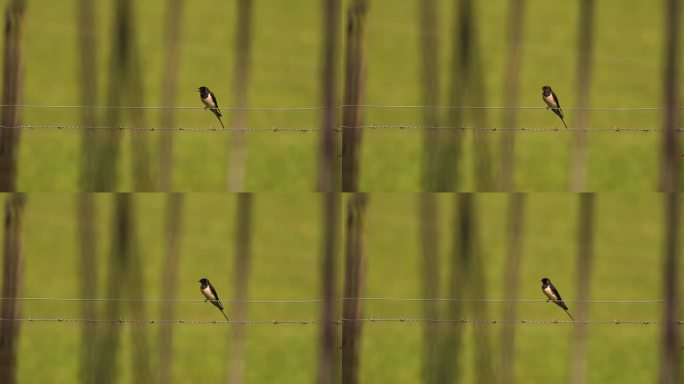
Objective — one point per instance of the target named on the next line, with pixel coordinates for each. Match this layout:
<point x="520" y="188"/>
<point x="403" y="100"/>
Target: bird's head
<point x="204" y="280"/>
<point x="203" y="91"/>
<point x="546" y="280"/>
<point x="546" y="89"/>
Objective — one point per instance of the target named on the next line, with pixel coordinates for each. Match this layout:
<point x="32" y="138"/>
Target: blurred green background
<point x="285" y="72"/>
<point x="627" y="265"/>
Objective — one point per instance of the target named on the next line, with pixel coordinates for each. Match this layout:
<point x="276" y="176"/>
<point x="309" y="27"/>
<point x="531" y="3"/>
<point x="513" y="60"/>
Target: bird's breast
<point x="207" y="293"/>
<point x="207" y="101"/>
<point x="550" y="102"/>
<point x="549" y="293"/>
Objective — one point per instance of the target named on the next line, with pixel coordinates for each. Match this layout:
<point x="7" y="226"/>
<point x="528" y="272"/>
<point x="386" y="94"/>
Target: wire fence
<point x="337" y="322"/>
<point x="397" y="127"/>
<point x="317" y="108"/>
<point x="305" y="301"/>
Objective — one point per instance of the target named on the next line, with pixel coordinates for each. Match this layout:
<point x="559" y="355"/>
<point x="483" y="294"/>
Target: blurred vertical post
<point x="141" y="159"/>
<point x="243" y="43"/>
<point x="13" y="273"/>
<point x="174" y="219"/>
<point x="466" y="85"/>
<point x="429" y="238"/>
<point x="448" y="163"/>
<point x="516" y="15"/>
<point x="474" y="276"/>
<point x="354" y="85"/>
<point x="125" y="84"/>
<point x="670" y="345"/>
<point x="669" y="168"/>
<point x="578" y="171"/>
<point x="173" y="28"/>
<point x="328" y="173"/>
<point x="87" y="236"/>
<point x="105" y="174"/>
<point x="355" y="265"/>
<point x="427" y="9"/>
<point x="326" y="357"/>
<point x="511" y="279"/>
<point x="243" y="254"/>
<point x="470" y="48"/>
<point x="133" y="281"/>
<point x="88" y="82"/>
<point x="585" y="244"/>
<point x="108" y="341"/>
<point x="12" y="93"/>
<point x="449" y="367"/>
<point x="670" y="181"/>
<point x="124" y="278"/>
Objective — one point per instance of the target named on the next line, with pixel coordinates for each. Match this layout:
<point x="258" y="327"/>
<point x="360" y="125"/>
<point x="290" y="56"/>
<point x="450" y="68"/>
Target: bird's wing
<point x="213" y="292"/>
<point x="559" y="300"/>
<point x="217" y="301"/>
<point x="555" y="99"/>
<point x="213" y="99"/>
<point x="553" y="289"/>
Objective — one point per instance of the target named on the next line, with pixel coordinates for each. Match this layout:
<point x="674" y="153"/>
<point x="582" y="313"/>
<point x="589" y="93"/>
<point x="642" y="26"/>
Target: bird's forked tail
<point x="224" y="315"/>
<point x="566" y="311"/>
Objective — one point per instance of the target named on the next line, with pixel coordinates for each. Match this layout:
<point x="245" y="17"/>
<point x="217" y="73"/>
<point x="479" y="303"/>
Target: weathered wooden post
<point x="354" y="272"/>
<point x="12" y="93"/>
<point x="13" y="273"/>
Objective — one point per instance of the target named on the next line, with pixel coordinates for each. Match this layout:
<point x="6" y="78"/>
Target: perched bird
<point x="210" y="293"/>
<point x="209" y="100"/>
<point x="551" y="100"/>
<point x="552" y="293"/>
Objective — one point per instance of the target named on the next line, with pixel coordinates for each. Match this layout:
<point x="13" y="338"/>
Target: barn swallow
<point x="551" y="100"/>
<point x="210" y="294"/>
<point x="552" y="293"/>
<point x="209" y="100"/>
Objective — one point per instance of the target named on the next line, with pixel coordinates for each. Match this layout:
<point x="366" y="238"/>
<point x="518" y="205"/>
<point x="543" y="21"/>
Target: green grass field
<point x="285" y="69"/>
<point x="626" y="266"/>
<point x="285" y="73"/>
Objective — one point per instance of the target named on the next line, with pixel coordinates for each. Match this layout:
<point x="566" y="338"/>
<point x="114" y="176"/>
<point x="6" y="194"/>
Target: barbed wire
<point x="336" y="322"/>
<point x="400" y="127"/>
<point x="310" y="301"/>
<point x="153" y="129"/>
<point x="494" y="129"/>
<point x="315" y="108"/>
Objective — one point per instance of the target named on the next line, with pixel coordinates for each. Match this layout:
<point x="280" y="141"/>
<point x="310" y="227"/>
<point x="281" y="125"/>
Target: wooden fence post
<point x="511" y="279"/>
<point x="88" y="277"/>
<point x="243" y="254"/>
<point x="355" y="265"/>
<point x="670" y="179"/>
<point x="243" y="48"/>
<point x="585" y="243"/>
<point x="430" y="87"/>
<point x="12" y="93"/>
<point x="174" y="219"/>
<point x="13" y="272"/>
<point x="328" y="173"/>
<point x="578" y="170"/>
<point x="327" y="357"/>
<point x="173" y="28"/>
<point x="87" y="73"/>
<point x="354" y="84"/>
<point x="514" y="32"/>
<point x="429" y="239"/>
